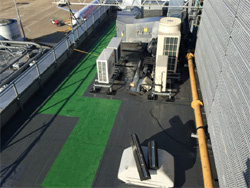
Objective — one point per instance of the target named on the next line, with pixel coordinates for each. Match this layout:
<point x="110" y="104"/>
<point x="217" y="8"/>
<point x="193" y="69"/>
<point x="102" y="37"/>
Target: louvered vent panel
<point x="241" y="38"/>
<point x="241" y="70"/>
<point x="223" y="44"/>
<point x="220" y="142"/>
<point x="220" y="31"/>
<point x="211" y="64"/>
<point x="232" y="5"/>
<point x="204" y="84"/>
<point x="219" y="53"/>
<point x="202" y="79"/>
<point x="244" y="13"/>
<point x="235" y="112"/>
<point x="225" y="15"/>
<point x="102" y="74"/>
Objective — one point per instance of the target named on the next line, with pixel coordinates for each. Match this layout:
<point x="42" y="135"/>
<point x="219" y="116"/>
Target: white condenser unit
<point x="105" y="66"/>
<point x="168" y="43"/>
<point x="161" y="70"/>
<point x="115" y="44"/>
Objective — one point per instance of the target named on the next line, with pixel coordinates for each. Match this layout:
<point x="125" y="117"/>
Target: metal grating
<point x="222" y="57"/>
<point x="238" y="126"/>
<point x="232" y="4"/>
<point x="220" y="31"/>
<point x="208" y="66"/>
<point x="203" y="81"/>
<point x="241" y="38"/>
<point x="213" y="38"/>
<point x="241" y="70"/>
<point x="224" y="13"/>
<point x="217" y="118"/>
<point x="244" y="13"/>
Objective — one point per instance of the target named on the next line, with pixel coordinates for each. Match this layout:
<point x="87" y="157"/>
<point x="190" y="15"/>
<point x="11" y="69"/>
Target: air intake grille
<point x="222" y="57"/>
<point x="102" y="73"/>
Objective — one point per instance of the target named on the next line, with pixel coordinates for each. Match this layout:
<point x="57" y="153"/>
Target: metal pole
<point x="39" y="74"/>
<point x="17" y="96"/>
<point x="72" y="27"/>
<point x="55" y="60"/>
<point x="54" y="54"/>
<point x="86" y="25"/>
<point x="67" y="41"/>
<point x="196" y="104"/>
<point x="93" y="17"/>
<point x="77" y="32"/>
<point x="24" y="37"/>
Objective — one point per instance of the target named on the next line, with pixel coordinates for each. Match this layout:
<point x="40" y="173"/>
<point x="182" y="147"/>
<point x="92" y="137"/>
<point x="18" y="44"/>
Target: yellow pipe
<point x="196" y="104"/>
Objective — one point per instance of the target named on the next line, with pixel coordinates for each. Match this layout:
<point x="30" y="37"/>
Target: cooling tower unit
<point x="169" y="36"/>
<point x="9" y="29"/>
<point x="105" y="66"/>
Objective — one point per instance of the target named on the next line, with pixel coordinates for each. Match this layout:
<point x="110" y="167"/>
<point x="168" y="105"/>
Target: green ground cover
<point x="78" y="161"/>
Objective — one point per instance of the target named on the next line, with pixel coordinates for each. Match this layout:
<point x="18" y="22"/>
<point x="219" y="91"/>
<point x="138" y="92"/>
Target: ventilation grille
<point x="232" y="5"/>
<point x="244" y="13"/>
<point x="221" y="32"/>
<point x="222" y="57"/>
<point x="225" y="15"/>
<point x="102" y="71"/>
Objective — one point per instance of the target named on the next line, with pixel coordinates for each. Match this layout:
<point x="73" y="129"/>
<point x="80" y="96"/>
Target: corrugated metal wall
<point x="223" y="63"/>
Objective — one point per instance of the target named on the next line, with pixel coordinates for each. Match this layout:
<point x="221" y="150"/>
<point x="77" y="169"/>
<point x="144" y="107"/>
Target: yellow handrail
<point x="196" y="104"/>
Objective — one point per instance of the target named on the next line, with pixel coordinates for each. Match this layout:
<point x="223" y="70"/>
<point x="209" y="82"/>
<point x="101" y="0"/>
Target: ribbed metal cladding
<point x="244" y="13"/>
<point x="224" y="13"/>
<point x="222" y="57"/>
<point x="232" y="4"/>
<point x="217" y="48"/>
<point x="216" y="23"/>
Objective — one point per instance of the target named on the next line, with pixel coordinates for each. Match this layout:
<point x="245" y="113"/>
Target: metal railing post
<point x="54" y="54"/>
<point x="77" y="32"/>
<point x="86" y="25"/>
<point x="67" y="42"/>
<point x="93" y="18"/>
<point x="17" y="96"/>
<point x="39" y="74"/>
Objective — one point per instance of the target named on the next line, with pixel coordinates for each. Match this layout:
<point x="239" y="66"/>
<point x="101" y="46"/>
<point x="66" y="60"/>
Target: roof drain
<point x="196" y="104"/>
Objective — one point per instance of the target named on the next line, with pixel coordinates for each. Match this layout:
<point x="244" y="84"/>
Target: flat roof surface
<point x="69" y="137"/>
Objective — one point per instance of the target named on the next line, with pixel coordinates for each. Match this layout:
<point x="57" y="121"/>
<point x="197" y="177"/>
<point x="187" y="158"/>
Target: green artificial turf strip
<point x="77" y="163"/>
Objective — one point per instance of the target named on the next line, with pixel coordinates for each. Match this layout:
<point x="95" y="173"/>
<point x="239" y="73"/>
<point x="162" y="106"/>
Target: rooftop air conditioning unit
<point x="161" y="69"/>
<point x="168" y="43"/>
<point x="105" y="66"/>
<point x="115" y="44"/>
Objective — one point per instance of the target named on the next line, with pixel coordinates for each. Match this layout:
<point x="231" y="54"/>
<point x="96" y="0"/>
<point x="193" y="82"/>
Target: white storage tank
<point x="9" y="29"/>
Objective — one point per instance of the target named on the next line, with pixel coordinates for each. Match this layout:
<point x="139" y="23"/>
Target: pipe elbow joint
<point x="196" y="103"/>
<point x="189" y="56"/>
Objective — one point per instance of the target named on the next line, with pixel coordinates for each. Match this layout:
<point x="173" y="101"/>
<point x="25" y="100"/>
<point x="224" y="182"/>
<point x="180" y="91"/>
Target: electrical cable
<point x="86" y="52"/>
<point x="159" y="124"/>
